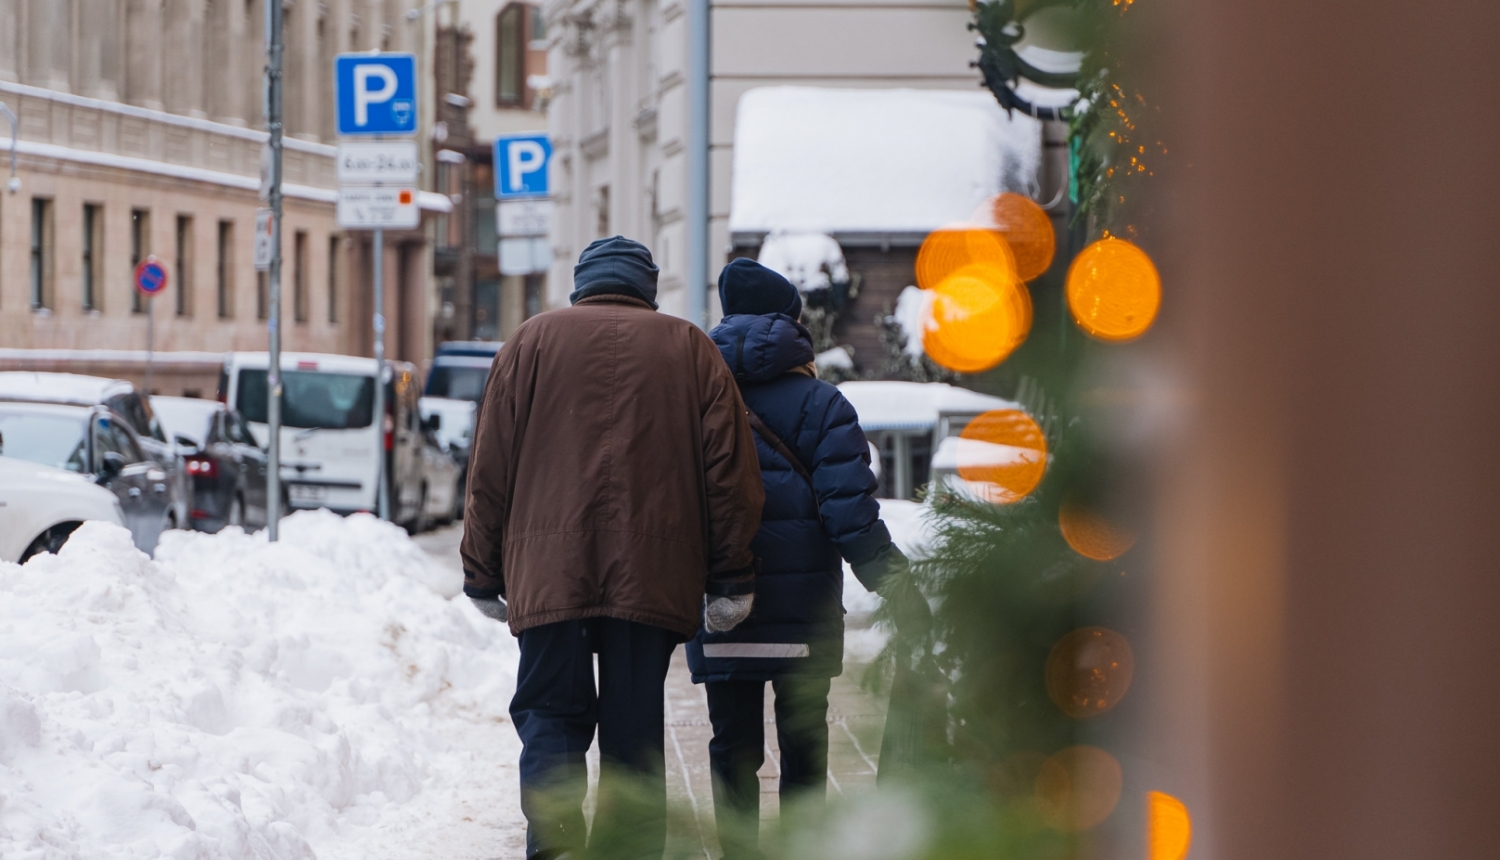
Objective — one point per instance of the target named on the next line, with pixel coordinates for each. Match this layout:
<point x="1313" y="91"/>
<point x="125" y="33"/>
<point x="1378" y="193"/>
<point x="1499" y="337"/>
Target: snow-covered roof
<point x="58" y="387"/>
<point x="914" y="406"/>
<point x="837" y="161"/>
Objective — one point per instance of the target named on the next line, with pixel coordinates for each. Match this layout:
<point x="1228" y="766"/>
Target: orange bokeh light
<point x="1092" y="536"/>
<point x="976" y="317"/>
<point x="1026" y="228"/>
<point x="1113" y="290"/>
<point x="1078" y="787"/>
<point x="1004" y="453"/>
<point x="1089" y="671"/>
<point x="1169" y="828"/>
<point x="946" y="251"/>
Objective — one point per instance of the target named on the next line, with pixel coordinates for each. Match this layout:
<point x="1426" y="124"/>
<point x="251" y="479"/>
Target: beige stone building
<point x="141" y="132"/>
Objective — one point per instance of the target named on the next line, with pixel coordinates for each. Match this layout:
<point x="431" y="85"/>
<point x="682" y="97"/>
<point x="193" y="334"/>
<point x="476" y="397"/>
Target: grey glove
<point x="495" y="608"/>
<point x="722" y="614"/>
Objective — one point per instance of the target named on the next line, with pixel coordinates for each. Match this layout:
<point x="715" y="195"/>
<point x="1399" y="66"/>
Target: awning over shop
<point x="882" y="163"/>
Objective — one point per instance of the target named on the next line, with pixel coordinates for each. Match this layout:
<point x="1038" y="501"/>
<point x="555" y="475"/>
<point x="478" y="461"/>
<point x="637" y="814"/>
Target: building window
<point x="535" y="284"/>
<point x="140" y="246"/>
<point x="93" y="243"/>
<point x="299" y="276"/>
<point x="224" y="270"/>
<point x="333" y="279"/>
<point x="511" y="43"/>
<point x="41" y="252"/>
<point x="601" y="212"/>
<point x="183" y="265"/>
<point x="538" y="40"/>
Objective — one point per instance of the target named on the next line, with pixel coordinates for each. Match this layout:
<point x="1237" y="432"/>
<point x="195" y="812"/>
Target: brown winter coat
<point x="613" y="471"/>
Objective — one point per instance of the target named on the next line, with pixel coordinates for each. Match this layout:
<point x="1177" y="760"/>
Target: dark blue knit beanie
<point x="747" y="287"/>
<point x="615" y="266"/>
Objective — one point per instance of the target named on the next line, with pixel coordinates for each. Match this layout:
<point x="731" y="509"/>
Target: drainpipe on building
<point x="695" y="279"/>
<point x="14" y="184"/>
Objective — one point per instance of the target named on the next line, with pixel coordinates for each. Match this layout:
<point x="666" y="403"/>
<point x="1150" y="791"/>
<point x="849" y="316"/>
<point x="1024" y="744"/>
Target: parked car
<point x="329" y="441"/>
<point x="455" y="385"/>
<point x="440" y="478"/>
<point x="118" y="396"/>
<point x="98" y="442"/>
<point x="40" y="506"/>
<point x="226" y="468"/>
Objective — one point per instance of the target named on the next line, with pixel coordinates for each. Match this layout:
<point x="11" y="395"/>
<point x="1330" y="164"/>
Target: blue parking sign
<point x="376" y="93"/>
<point x="521" y="165"/>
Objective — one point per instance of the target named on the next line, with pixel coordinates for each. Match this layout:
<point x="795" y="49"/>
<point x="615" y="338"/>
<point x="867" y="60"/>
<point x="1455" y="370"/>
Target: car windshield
<point x="46" y="438"/>
<point x="310" y="400"/>
<point x="458" y="383"/>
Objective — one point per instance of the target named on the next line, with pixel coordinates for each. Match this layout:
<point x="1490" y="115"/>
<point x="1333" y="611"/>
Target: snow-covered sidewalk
<point x="235" y="699"/>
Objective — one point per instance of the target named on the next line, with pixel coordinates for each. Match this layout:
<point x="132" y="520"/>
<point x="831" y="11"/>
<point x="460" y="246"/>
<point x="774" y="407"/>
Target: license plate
<point x="307" y="493"/>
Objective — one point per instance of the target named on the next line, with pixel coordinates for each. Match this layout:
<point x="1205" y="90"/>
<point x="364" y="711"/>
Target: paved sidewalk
<point x="856" y="720"/>
<point x="855" y="723"/>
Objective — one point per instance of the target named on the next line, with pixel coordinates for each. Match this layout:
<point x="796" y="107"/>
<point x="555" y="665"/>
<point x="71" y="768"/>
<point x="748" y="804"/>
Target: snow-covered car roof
<point x="901" y="161"/>
<point x="74" y="388"/>
<point x="185" y="416"/>
<point x="914" y="406"/>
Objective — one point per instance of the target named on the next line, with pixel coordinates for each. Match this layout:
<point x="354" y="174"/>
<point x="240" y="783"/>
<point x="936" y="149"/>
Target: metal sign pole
<point x="150" y="337"/>
<point x="273" y="324"/>
<point x="382" y="496"/>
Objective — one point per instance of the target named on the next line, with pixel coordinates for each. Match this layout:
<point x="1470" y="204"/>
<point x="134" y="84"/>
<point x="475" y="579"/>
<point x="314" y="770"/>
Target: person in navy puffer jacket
<point x="819" y="511"/>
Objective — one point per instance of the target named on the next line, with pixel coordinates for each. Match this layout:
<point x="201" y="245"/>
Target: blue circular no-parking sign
<point x="150" y="276"/>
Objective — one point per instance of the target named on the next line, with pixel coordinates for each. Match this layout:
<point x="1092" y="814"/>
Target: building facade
<point x="499" y="50"/>
<point x="141" y="133"/>
<point x="619" y="116"/>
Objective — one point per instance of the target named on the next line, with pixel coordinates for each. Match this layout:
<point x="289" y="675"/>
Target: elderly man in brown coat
<point x="613" y="493"/>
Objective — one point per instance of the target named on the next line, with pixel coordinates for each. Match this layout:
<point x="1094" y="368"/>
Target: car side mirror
<point x="185" y="446"/>
<point x="110" y="465"/>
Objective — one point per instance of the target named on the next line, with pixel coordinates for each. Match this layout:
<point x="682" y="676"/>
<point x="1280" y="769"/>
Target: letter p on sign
<point x="521" y="165"/>
<point x="365" y="94"/>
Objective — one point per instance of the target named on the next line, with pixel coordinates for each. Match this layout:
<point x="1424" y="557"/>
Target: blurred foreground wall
<point x="1329" y="580"/>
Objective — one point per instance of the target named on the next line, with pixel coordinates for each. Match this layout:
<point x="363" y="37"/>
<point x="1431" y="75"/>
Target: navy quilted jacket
<point x="797" y="623"/>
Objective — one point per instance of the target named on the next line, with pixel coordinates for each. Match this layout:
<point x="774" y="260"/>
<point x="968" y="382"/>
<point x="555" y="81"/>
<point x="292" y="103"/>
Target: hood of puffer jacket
<point x="760" y="347"/>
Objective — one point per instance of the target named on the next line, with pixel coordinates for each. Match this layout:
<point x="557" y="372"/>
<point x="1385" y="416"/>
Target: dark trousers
<point x="556" y="710"/>
<point x="736" y="709"/>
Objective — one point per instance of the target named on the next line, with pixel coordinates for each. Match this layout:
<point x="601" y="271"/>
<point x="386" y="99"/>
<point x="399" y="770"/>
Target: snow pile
<point x="234" y="698"/>
<point x="811" y="261"/>
<point x="913" y="310"/>
<point x="825" y="160"/>
<point x="837" y="358"/>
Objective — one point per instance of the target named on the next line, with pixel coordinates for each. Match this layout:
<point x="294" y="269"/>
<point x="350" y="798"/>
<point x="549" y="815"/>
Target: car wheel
<point x="418" y="522"/>
<point x="236" y="513"/>
<point x="50" y="540"/>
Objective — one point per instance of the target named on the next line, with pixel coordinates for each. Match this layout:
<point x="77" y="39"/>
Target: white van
<point x="328" y="440"/>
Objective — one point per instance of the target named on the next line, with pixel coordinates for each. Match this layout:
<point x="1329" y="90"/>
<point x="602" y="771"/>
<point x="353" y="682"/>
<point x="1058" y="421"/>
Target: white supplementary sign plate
<point x="523" y="217"/>
<point x="263" y="246"/>
<point x="364" y="207"/>
<point x="372" y="162"/>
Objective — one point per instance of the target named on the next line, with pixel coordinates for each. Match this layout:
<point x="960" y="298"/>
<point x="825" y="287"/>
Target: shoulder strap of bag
<point x="765" y="432"/>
